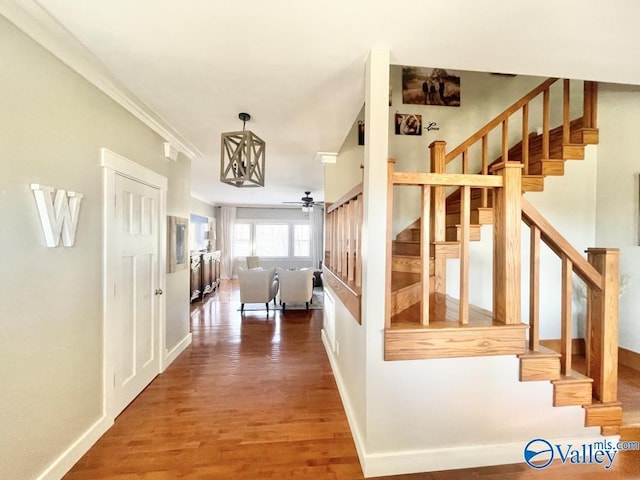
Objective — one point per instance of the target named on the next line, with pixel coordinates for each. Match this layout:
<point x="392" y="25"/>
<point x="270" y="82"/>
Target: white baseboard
<point x="60" y="466"/>
<point x="351" y="417"/>
<point x="170" y="356"/>
<point x="434" y="459"/>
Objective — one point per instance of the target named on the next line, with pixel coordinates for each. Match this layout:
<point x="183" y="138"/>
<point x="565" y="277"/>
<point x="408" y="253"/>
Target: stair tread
<point x="575" y="377"/>
<point x="444" y="314"/>
<point x="540" y="353"/>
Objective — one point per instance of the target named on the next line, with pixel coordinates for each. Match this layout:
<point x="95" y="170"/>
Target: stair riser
<point x="409" y="264"/>
<point x="436" y="343"/>
<point x="532" y="184"/>
<point x="603" y="415"/>
<point x="405" y="248"/>
<point x="547" y="168"/>
<point x="479" y="216"/>
<point x="574" y="393"/>
<point x="409" y="235"/>
<point x="454" y="234"/>
<point x="536" y="369"/>
<point x="587" y="136"/>
<point x="445" y="250"/>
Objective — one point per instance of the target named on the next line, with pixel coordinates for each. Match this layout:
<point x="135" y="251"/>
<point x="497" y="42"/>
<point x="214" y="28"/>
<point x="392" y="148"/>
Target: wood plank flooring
<point x="254" y="398"/>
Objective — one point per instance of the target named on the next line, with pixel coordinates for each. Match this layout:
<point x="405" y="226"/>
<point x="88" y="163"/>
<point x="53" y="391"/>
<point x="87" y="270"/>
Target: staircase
<point x="424" y="322"/>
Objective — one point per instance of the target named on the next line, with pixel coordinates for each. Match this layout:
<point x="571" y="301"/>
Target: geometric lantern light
<point x="242" y="157"/>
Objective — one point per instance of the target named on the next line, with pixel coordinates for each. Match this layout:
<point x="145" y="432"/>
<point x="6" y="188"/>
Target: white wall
<point x="53" y="125"/>
<point x="201" y="208"/>
<point x="346" y="173"/>
<point x="617" y="197"/>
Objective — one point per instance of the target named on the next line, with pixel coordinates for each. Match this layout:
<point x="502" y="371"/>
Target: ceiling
<point x="298" y="66"/>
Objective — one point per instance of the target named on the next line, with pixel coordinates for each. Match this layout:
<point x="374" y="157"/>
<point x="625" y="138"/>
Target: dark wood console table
<point x="205" y="273"/>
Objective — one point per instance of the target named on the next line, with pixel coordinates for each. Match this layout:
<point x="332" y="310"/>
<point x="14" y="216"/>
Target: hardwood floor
<point x="254" y="398"/>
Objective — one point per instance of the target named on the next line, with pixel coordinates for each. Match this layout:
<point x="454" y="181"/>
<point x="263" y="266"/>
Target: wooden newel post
<point x="507" y="212"/>
<point x="439" y="214"/>
<point x="602" y="315"/>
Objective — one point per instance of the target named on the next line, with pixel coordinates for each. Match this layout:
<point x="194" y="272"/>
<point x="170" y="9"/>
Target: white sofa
<point x="257" y="286"/>
<point x="295" y="286"/>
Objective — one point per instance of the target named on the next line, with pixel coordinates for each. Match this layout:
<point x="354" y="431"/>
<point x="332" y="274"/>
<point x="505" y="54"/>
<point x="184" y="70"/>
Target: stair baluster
<point x="342" y="259"/>
<point x="425" y="252"/>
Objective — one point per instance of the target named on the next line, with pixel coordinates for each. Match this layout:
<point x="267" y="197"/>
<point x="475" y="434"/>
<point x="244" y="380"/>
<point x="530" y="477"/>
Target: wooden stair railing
<point x="343" y="242"/>
<point x="600" y="273"/>
<point x="506" y="188"/>
<point x="422" y="250"/>
<point x="589" y="121"/>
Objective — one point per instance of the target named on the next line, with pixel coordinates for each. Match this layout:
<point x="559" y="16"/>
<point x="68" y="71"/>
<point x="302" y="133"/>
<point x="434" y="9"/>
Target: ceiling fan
<point x="307" y="202"/>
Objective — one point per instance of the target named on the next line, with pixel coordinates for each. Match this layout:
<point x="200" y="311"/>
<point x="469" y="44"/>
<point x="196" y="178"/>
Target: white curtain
<point x="227" y="221"/>
<point x="317" y="236"/>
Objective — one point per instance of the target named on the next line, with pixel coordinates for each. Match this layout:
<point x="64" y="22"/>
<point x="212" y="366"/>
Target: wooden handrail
<point x="446" y="179"/>
<point x="350" y="195"/>
<point x="561" y="245"/>
<point x="499" y="119"/>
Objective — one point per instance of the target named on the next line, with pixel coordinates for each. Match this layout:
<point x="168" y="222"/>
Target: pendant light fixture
<point x="242" y="157"/>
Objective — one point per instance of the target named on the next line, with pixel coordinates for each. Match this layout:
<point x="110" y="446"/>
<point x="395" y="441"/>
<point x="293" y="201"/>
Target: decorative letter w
<point x="59" y="215"/>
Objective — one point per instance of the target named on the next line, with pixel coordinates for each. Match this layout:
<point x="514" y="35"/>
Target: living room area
<point x="273" y="255"/>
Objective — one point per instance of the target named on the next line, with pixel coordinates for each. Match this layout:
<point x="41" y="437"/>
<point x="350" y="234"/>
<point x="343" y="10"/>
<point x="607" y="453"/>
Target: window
<point x="242" y="239"/>
<point x="286" y="239"/>
<point x="272" y="240"/>
<point x="301" y="241"/>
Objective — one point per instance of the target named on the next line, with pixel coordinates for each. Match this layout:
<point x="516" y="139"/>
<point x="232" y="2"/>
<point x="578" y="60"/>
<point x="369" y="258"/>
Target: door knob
<point x="158" y="291"/>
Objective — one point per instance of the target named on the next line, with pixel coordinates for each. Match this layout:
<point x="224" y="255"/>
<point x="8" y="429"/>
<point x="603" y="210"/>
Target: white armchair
<point x="257" y="286"/>
<point x="295" y="286"/>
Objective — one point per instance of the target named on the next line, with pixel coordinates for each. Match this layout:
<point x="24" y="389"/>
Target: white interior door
<point x="134" y="346"/>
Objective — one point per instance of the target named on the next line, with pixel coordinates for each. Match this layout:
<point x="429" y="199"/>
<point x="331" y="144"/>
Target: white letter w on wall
<point x="58" y="215"/>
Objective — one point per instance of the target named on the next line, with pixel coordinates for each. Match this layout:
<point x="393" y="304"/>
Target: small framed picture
<point x="178" y="244"/>
<point x="408" y="124"/>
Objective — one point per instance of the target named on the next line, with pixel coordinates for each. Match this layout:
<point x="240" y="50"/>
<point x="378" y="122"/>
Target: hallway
<point x="254" y="398"/>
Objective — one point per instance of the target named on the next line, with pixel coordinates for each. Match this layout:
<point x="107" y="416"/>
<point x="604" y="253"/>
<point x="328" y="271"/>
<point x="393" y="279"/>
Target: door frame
<point x="114" y="164"/>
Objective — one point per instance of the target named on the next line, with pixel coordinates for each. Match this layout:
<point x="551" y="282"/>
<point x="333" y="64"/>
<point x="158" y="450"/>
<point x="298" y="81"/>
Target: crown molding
<point x="44" y="29"/>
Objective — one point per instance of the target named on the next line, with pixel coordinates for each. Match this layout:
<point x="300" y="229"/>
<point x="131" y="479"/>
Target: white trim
<point x="358" y="437"/>
<point x="44" y="29"/>
<point x="470" y="456"/>
<point x="76" y="450"/>
<point x="133" y="170"/>
<point x="170" y="356"/>
<point x="113" y="164"/>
